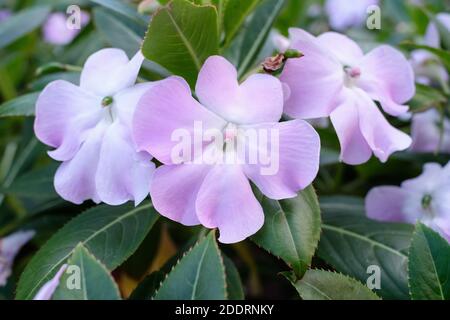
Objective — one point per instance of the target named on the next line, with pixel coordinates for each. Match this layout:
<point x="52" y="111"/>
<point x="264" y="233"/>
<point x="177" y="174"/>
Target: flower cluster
<point x="212" y="147"/>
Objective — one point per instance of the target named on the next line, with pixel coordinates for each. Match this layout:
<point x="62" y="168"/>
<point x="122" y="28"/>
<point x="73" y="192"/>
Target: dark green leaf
<point x="146" y="289"/>
<point x="256" y="32"/>
<point x="351" y="243"/>
<point x="234" y="284"/>
<point x="235" y="13"/>
<point x="40" y="83"/>
<point x="181" y="37"/>
<point x="115" y="32"/>
<point x="123" y="8"/>
<point x="20" y="106"/>
<point x="426" y="97"/>
<point x="429" y="265"/>
<point x="292" y="229"/>
<point x="199" y="275"/>
<point x="95" y="282"/>
<point x="22" y="23"/>
<point x="324" y="285"/>
<point x="112" y="234"/>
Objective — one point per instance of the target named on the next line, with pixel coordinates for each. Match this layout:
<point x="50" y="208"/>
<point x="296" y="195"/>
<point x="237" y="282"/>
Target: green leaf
<point x="116" y="33"/>
<point x="181" y="37"/>
<point x="234" y="284"/>
<point x="443" y="32"/>
<point x="324" y="285"/>
<point x="20" y="106"/>
<point x="442" y="54"/>
<point x="123" y="8"/>
<point x="235" y="13"/>
<point x="329" y="156"/>
<point x="37" y="183"/>
<point x="256" y="32"/>
<point x="291" y="229"/>
<point x="351" y="243"/>
<point x="199" y="275"/>
<point x="95" y="282"/>
<point x="112" y="234"/>
<point x="147" y="288"/>
<point x="426" y="98"/>
<point x="22" y="23"/>
<point x="429" y="265"/>
<point x="119" y="34"/>
<point x="40" y="83"/>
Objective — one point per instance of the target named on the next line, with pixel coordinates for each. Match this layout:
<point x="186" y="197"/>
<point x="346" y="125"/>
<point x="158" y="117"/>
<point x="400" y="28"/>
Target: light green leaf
<point x="324" y="285"/>
<point x="112" y="234"/>
<point x="429" y="265"/>
<point x="199" y="275"/>
<point x="94" y="280"/>
<point x="291" y="229"/>
<point x="181" y="37"/>
<point x="21" y="24"/>
<point x="20" y="106"/>
<point x="256" y="32"/>
<point x="235" y="14"/>
<point x="351" y="243"/>
<point x="123" y="8"/>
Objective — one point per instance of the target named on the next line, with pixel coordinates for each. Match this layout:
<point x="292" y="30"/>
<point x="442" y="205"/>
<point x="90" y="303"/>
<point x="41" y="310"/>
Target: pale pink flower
<point x="90" y="128"/>
<point x="425" y="199"/>
<point x="9" y="248"/>
<point x="219" y="195"/>
<point x="344" y="14"/>
<point x="56" y="30"/>
<point x="48" y="289"/>
<point x="336" y="79"/>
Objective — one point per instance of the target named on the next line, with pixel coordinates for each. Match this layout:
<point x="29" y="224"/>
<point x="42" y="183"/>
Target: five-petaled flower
<point x="90" y="127"/>
<point x="424" y="199"/>
<point x="335" y="78"/>
<point x="219" y="195"/>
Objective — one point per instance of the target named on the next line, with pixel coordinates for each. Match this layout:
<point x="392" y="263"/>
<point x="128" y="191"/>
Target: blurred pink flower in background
<point x="4" y="14"/>
<point x="430" y="132"/>
<point x="427" y="66"/>
<point x="336" y="79"/>
<point x="425" y="199"/>
<point x="56" y="30"/>
<point x="344" y="14"/>
<point x="219" y="195"/>
<point x="9" y="248"/>
<point x="90" y="128"/>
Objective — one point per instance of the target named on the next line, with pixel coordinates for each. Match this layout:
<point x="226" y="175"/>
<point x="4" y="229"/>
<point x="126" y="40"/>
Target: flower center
<point x="107" y="101"/>
<point x="231" y="133"/>
<point x="426" y="202"/>
<point x="351" y="75"/>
